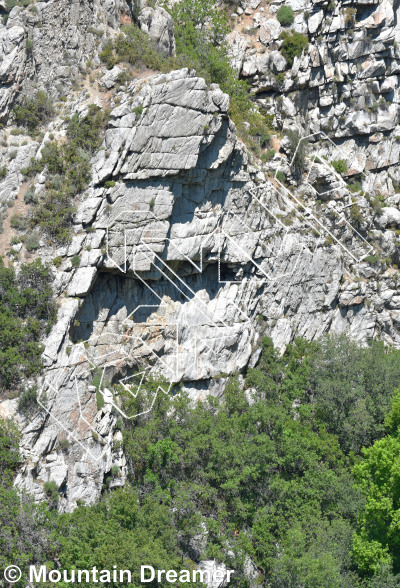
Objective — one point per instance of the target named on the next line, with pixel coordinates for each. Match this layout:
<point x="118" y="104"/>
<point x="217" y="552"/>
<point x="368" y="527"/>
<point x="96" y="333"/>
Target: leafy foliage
<point x="25" y="528"/>
<point x="340" y="166"/>
<point x="293" y="45"/>
<point x="34" y="112"/>
<point x="26" y="309"/>
<point x="276" y="472"/>
<point x="285" y="15"/>
<point x="376" y="543"/>
<point x="352" y="388"/>
<point x="124" y="529"/>
<point x="68" y="171"/>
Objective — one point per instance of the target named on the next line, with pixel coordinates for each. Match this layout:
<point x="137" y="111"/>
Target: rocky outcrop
<point x="188" y="254"/>
<point x="160" y="26"/>
<point x="345" y="84"/>
<point x="189" y="248"/>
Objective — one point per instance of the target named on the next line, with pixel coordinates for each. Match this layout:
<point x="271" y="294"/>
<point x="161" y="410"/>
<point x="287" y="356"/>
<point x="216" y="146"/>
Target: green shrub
<point x="32" y="241"/>
<point x="30" y="196"/>
<point x="18" y="222"/>
<point x="86" y="133"/>
<point x="29" y="45"/>
<point x="64" y="444"/>
<point x="109" y="184"/>
<point x="99" y="400"/>
<point x="34" y="112"/>
<point x="54" y="213"/>
<point x="75" y="261"/>
<point x="281" y="177"/>
<point x="51" y="490"/>
<point x="356" y="215"/>
<point x="107" y="55"/>
<point x="138" y="110"/>
<point x="68" y="171"/>
<point x="371" y="259"/>
<point x="350" y="15"/>
<point x="285" y="15"/>
<point x="115" y="471"/>
<point x="340" y="166"/>
<point x="10" y="4"/>
<point x="293" y="45"/>
<point x="137" y="48"/>
<point x="27" y="400"/>
<point x="354" y="186"/>
<point x="268" y="155"/>
<point x="26" y="310"/>
<point x="3" y="172"/>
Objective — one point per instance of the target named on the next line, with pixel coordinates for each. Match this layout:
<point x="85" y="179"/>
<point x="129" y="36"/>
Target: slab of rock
<point x="57" y="334"/>
<point x="314" y="21"/>
<point x="277" y="61"/>
<point x="82" y="281"/>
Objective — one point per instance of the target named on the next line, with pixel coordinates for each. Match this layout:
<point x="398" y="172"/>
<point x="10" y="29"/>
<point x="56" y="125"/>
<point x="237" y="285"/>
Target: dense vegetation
<point x="26" y="310"/>
<point x="68" y="174"/>
<point x="278" y="473"/>
<point x="34" y="111"/>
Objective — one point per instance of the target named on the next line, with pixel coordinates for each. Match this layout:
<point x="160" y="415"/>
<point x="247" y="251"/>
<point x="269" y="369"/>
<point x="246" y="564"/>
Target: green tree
<point x="26" y="310"/>
<point x="377" y="540"/>
<point x="351" y="389"/>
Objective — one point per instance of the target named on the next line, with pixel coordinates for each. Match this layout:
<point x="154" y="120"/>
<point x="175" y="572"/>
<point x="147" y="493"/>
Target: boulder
<point x="269" y="30"/>
<point x="160" y="26"/>
<point x="82" y="281"/>
<point x="109" y="80"/>
<point x="390" y="217"/>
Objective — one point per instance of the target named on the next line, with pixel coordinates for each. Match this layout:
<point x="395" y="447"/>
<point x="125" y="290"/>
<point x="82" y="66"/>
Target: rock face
<point x="63" y="36"/>
<point x="346" y="83"/>
<point x="191" y="254"/>
<point x="189" y="249"/>
<point x="159" y="25"/>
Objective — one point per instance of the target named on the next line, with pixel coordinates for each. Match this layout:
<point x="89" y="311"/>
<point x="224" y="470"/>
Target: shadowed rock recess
<point x="186" y="248"/>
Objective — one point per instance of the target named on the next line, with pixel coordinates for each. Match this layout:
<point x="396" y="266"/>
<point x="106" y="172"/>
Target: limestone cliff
<point x="189" y="248"/>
